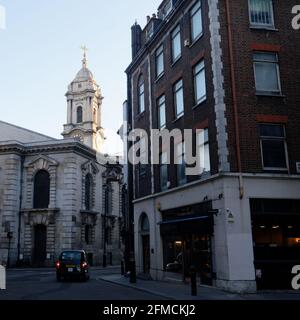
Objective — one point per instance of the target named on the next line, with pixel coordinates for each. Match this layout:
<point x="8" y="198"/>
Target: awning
<point x="187" y="226"/>
<point x="183" y="220"/>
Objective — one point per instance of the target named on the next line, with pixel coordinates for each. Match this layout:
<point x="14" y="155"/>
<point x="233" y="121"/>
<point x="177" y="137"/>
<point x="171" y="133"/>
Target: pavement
<point x="108" y="284"/>
<point x="182" y="291"/>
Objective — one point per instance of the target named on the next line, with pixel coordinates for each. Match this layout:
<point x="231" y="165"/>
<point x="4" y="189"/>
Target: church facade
<point x="61" y="194"/>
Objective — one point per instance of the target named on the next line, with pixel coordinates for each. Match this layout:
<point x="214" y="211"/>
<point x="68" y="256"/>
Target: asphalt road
<point x="41" y="284"/>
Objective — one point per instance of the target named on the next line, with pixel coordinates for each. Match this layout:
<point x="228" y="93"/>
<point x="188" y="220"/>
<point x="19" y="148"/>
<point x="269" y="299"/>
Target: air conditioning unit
<point x="298" y="167"/>
<point x="187" y="42"/>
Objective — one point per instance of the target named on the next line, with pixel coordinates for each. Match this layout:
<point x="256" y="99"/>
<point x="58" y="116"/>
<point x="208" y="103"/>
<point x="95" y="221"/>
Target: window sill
<point x="199" y="103"/>
<point x="159" y="77"/>
<point x="263" y="28"/>
<point x="276" y="170"/>
<point x="140" y="115"/>
<point x="178" y="118"/>
<point x="266" y="94"/>
<point x="193" y="42"/>
<point x="175" y="61"/>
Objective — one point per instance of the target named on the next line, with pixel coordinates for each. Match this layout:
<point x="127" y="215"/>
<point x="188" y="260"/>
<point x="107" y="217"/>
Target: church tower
<point x="84" y="109"/>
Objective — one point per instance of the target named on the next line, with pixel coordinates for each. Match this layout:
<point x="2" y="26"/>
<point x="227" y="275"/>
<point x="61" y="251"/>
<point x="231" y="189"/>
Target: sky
<point x="40" y="55"/>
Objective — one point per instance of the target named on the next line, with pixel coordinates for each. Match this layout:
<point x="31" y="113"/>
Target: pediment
<point x="91" y="167"/>
<point x="42" y="162"/>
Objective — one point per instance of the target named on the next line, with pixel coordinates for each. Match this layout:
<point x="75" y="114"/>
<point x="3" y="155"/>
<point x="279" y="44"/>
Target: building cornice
<point x="46" y="147"/>
<point x="209" y="179"/>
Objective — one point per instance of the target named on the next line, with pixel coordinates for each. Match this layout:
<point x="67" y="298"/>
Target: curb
<point x="159" y="294"/>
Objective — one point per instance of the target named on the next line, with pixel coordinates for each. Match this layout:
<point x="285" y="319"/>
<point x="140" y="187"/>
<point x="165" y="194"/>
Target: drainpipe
<point x="234" y="99"/>
<point x="20" y="208"/>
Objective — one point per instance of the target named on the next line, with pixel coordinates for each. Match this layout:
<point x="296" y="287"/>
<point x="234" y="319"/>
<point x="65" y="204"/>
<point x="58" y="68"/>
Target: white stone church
<point x="61" y="194"/>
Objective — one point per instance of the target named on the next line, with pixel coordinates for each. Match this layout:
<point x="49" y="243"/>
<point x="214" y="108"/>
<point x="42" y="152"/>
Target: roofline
<point x="164" y="25"/>
<point x="28" y="130"/>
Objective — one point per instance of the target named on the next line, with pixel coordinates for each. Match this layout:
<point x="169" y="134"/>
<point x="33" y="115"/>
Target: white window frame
<point x="202" y="145"/>
<point x="201" y="66"/>
<point x="174" y="35"/>
<point x="283" y="139"/>
<point x="159" y="54"/>
<point x="141" y="95"/>
<point x="262" y="25"/>
<point x="167" y="9"/>
<point x="197" y="8"/>
<point x="161" y="103"/>
<point x="256" y="61"/>
<point x="175" y="92"/>
<point x="163" y="164"/>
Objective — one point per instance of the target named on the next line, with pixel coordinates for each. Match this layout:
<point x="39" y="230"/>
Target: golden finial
<point x="84" y="61"/>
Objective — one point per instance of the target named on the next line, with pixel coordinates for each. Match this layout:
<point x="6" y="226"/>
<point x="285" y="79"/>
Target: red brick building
<point x="231" y="68"/>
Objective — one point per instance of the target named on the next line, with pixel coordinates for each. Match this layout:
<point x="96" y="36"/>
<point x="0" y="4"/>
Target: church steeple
<point x="84" y="101"/>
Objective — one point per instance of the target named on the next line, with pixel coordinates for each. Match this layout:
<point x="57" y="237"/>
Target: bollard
<point x="132" y="271"/>
<point x="122" y="268"/>
<point x="193" y="274"/>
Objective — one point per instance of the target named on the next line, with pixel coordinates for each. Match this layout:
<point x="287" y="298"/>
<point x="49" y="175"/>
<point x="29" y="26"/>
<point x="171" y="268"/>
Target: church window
<point x="88" y="234"/>
<point x="88" y="191"/>
<point x="41" y="190"/>
<point x="79" y="114"/>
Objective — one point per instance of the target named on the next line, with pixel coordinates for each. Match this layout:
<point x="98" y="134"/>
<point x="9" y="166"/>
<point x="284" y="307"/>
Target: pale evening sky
<point x="40" y="55"/>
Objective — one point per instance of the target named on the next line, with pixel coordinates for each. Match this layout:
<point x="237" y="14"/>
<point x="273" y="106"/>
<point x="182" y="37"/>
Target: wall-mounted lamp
<point x="230" y="216"/>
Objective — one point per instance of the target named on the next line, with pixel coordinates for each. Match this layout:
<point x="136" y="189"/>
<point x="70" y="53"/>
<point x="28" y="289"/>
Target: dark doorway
<point x="276" y="240"/>
<point x="146" y="253"/>
<point x="145" y="234"/>
<point x="40" y="245"/>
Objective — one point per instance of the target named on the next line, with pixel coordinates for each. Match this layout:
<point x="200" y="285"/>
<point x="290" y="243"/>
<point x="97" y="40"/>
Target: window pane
<point x="200" y="84"/>
<point x="176" y="44"/>
<point x="162" y="115"/>
<point x="179" y="103"/>
<point x="271" y="130"/>
<point x="196" y="21"/>
<point x="265" y="56"/>
<point x="159" y="61"/>
<point x="274" y="153"/>
<point x="266" y="77"/>
<point x="203" y="150"/>
<point x="141" y="98"/>
<point x="261" y="12"/>
<point x="163" y="171"/>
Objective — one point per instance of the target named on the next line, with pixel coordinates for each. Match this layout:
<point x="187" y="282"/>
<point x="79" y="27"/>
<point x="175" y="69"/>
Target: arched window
<point x="41" y="190"/>
<point x="141" y="94"/>
<point x="88" y="191"/>
<point x="145" y="227"/>
<point x="79" y="114"/>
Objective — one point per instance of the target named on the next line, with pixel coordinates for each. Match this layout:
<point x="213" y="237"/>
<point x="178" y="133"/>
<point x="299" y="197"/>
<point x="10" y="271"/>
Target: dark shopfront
<point x="276" y="237"/>
<point x="186" y="234"/>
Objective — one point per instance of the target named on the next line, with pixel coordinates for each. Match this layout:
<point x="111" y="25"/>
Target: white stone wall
<point x="232" y="244"/>
<point x="9" y="202"/>
<point x="63" y="219"/>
